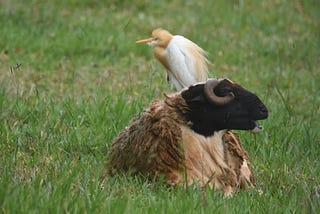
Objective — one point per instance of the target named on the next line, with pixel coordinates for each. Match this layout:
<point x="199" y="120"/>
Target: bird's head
<point x="160" y="38"/>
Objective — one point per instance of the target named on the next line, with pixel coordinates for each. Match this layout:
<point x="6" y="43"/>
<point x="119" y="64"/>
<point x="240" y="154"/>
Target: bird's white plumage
<point x="183" y="56"/>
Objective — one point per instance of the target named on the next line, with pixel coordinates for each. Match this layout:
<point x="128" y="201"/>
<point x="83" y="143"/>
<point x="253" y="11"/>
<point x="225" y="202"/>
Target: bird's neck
<point x="161" y="54"/>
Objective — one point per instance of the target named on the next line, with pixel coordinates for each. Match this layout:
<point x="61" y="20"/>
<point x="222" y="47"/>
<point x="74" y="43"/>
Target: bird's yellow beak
<point x="144" y="40"/>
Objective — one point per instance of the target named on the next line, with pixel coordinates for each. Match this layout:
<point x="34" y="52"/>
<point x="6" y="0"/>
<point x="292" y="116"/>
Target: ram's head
<point x="221" y="104"/>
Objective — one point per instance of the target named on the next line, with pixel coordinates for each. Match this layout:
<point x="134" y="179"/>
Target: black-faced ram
<point x="182" y="137"/>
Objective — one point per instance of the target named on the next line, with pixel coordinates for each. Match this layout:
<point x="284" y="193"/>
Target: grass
<point x="71" y="77"/>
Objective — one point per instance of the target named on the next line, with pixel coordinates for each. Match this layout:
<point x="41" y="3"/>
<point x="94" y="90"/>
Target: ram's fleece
<point x="182" y="138"/>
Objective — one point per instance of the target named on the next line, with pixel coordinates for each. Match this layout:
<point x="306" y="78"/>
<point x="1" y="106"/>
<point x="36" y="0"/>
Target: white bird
<point x="185" y="61"/>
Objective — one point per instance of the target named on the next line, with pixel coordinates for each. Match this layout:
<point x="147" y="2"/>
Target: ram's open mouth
<point x="257" y="128"/>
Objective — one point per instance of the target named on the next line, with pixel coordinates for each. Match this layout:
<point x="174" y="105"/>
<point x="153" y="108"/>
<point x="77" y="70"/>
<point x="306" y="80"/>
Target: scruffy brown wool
<point x="151" y="144"/>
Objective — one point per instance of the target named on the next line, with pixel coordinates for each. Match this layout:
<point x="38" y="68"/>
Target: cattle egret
<point x="184" y="60"/>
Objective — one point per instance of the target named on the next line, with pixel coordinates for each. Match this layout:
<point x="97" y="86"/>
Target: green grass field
<point x="71" y="77"/>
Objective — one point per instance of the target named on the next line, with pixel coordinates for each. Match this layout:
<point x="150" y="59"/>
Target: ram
<point x="181" y="138"/>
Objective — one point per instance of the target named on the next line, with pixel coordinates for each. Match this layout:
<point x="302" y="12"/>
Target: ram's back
<point x="150" y="145"/>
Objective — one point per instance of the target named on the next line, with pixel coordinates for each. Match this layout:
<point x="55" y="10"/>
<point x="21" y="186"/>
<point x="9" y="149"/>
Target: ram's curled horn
<point x="212" y="97"/>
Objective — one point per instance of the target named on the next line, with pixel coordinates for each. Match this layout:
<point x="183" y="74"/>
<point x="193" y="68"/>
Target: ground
<point x="72" y="77"/>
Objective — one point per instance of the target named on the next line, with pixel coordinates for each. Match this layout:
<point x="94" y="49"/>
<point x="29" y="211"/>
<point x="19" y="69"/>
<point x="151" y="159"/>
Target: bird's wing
<point x="195" y="57"/>
<point x="181" y="71"/>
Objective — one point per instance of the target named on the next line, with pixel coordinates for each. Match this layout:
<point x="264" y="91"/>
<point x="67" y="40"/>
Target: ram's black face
<point x="239" y="114"/>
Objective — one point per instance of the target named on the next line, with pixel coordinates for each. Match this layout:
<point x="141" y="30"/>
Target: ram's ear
<point x="198" y="98"/>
